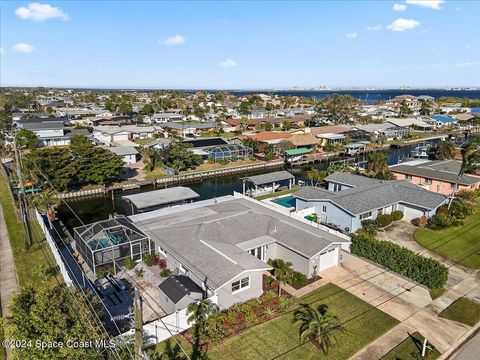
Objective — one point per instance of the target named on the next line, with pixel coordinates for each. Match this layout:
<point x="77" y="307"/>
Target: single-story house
<point x="194" y="128"/>
<point x="350" y="199"/>
<point x="166" y="117"/>
<point x="304" y="141"/>
<point x="128" y="153"/>
<point x="49" y="133"/>
<point x="388" y="131"/>
<point x="439" y="176"/>
<point x="223" y="244"/>
<point x="410" y="122"/>
<point x="156" y="199"/>
<point x="218" y="149"/>
<point x="116" y="134"/>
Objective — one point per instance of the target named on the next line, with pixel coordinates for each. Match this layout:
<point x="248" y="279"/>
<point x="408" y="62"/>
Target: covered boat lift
<point x="267" y="183"/>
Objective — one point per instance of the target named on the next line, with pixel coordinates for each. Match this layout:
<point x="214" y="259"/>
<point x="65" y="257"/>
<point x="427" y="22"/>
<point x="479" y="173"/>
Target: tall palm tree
<point x="317" y="325"/>
<point x="200" y="311"/>
<point x="45" y="202"/>
<point x="315" y="176"/>
<point x="470" y="154"/>
<point x="377" y="163"/>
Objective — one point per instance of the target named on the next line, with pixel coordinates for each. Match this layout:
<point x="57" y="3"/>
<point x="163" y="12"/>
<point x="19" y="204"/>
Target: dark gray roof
<point x="186" y="125"/>
<point x="211" y="240"/>
<point x="161" y="197"/>
<point x="362" y="199"/>
<point x="444" y="170"/>
<point x="43" y="125"/>
<point x="123" y="150"/>
<point x="176" y="287"/>
<point x="351" y="179"/>
<point x="270" y="177"/>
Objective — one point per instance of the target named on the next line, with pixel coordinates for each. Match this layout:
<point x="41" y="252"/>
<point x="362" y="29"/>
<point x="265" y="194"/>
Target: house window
<point x="366" y="215"/>
<point x="408" y="177"/>
<point x="337" y="187"/>
<point x="258" y="252"/>
<point x="453" y="186"/>
<point x="241" y="284"/>
<point x="324" y="209"/>
<point x="427" y="181"/>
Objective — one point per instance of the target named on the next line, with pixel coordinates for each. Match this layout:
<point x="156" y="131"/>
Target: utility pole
<point x="21" y="197"/>
<point x="137" y="304"/>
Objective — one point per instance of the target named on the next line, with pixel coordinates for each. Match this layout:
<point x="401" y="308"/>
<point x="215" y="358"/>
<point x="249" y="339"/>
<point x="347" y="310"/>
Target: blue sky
<point x="234" y="45"/>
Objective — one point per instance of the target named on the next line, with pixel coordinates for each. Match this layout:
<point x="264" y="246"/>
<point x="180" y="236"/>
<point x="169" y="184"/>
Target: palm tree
<point x="470" y="154"/>
<point x="377" y="163"/>
<point x="200" y="311"/>
<point x="318" y="325"/>
<point x="45" y="203"/>
<point x="282" y="271"/>
<point x="315" y="176"/>
<point x="445" y="150"/>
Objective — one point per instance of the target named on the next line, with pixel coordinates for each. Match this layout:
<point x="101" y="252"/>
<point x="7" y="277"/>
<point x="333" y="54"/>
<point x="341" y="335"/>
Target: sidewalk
<point x="8" y="275"/>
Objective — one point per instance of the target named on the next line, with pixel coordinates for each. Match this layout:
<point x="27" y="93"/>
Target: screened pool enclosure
<point x="228" y="152"/>
<point x="103" y="242"/>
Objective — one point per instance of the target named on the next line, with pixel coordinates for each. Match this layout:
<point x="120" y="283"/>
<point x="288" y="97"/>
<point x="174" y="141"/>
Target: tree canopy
<point x="26" y="139"/>
<point x="338" y="109"/>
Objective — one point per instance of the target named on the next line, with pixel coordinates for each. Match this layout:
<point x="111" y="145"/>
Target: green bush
<point x="165" y="273"/>
<point x="129" y="264"/>
<point x="397" y="215"/>
<point x="369" y="227"/>
<point x="148" y="259"/>
<point x="299" y="280"/>
<point x="403" y="261"/>
<point x="460" y="209"/>
<point x="383" y="220"/>
<point x="442" y="221"/>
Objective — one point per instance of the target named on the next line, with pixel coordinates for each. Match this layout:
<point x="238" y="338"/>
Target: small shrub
<point x="396" y="215"/>
<point x="100" y="274"/>
<point x="460" y="209"/>
<point x="148" y="259"/>
<point x="165" y="273"/>
<point x="139" y="273"/>
<point x="422" y="221"/>
<point x="383" y="220"/>
<point x="129" y="264"/>
<point x="162" y="264"/>
<point x="299" y="280"/>
<point x="369" y="227"/>
<point x="442" y="221"/>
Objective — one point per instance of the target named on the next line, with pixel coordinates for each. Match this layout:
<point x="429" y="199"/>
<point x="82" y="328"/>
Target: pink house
<point x="438" y="175"/>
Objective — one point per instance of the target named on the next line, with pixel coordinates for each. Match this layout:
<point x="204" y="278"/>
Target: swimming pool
<point x="287" y="201"/>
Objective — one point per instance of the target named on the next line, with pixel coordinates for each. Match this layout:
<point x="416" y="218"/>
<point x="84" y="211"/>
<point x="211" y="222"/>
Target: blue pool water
<point x="287" y="201"/>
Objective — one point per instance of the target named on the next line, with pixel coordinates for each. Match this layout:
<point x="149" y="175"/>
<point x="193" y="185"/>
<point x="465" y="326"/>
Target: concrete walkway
<point x="8" y="275"/>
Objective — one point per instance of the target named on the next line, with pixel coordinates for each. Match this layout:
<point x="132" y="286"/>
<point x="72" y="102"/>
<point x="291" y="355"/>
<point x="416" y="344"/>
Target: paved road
<point x="469" y="351"/>
<point x="8" y="276"/>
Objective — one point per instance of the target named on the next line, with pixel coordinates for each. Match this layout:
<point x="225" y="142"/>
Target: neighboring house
<point x="218" y="149"/>
<point x="159" y="143"/>
<point x="387" y="131"/>
<point x="183" y="129"/>
<point x="49" y="133"/>
<point x="330" y="139"/>
<point x="309" y="141"/>
<point x="111" y="135"/>
<point x="271" y="137"/>
<point x="350" y="199"/>
<point x="439" y="176"/>
<point x="166" y="117"/>
<point x="410" y="122"/>
<point x="223" y="244"/>
<point x="128" y="154"/>
<point x="157" y="199"/>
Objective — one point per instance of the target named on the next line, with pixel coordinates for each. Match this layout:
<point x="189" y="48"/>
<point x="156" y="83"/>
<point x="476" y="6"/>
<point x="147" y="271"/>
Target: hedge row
<point x="401" y="260"/>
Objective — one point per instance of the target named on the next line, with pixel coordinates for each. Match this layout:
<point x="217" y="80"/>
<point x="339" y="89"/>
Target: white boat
<point x="263" y="190"/>
<point x="420" y="152"/>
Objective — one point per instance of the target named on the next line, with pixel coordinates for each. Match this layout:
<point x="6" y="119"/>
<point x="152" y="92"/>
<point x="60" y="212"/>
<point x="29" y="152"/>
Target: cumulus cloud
<point x="175" y="40"/>
<point x="401" y="25"/>
<point x="40" y="12"/>
<point x="23" y="48"/>
<point x="352" y="35"/>
<point x="374" y="27"/>
<point x="228" y="63"/>
<point x="432" y="4"/>
<point x="399" y="7"/>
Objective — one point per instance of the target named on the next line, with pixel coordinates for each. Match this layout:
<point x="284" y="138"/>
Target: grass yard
<point x="26" y="261"/>
<point x="411" y="348"/>
<point x="463" y="310"/>
<point x="279" y="335"/>
<point x="459" y="244"/>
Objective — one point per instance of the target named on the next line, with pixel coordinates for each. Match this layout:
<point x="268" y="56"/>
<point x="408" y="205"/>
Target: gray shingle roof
<point x="43" y="125"/>
<point x="210" y="240"/>
<point x="161" y="197"/>
<point x="123" y="150"/>
<point x="351" y="179"/>
<point x="270" y="177"/>
<point x="362" y="199"/>
<point x="445" y="170"/>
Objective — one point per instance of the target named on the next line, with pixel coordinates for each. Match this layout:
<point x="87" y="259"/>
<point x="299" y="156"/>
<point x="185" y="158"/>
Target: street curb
<point x="460" y="342"/>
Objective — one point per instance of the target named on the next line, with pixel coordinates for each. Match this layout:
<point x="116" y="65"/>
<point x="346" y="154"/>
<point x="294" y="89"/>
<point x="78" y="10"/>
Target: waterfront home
<point x="267" y="183"/>
<point x="386" y="131"/>
<point x="49" y="133"/>
<point x="439" y="176"/>
<point x="218" y="149"/>
<point x="271" y="137"/>
<point x="223" y="245"/>
<point x="331" y="139"/>
<point x="350" y="199"/>
<point x="192" y="128"/>
<point x="413" y="123"/>
<point x="309" y="141"/>
<point x="128" y="154"/>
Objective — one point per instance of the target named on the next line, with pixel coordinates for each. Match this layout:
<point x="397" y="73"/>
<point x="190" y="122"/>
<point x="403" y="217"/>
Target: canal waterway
<point x="100" y="207"/>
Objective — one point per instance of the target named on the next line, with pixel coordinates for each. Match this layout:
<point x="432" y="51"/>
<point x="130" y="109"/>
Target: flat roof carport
<point x="270" y="178"/>
<point x="156" y="198"/>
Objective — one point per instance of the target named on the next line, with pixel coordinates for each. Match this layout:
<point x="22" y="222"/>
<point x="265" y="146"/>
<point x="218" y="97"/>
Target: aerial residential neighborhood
<point x="240" y="180"/>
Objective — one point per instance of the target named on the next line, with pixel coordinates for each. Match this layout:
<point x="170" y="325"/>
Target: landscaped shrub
<point x="383" y="220"/>
<point x="369" y="227"/>
<point x="460" y="209"/>
<point x="299" y="280"/>
<point x="148" y="259"/>
<point x="129" y="264"/>
<point x="422" y="221"/>
<point x="403" y="261"/>
<point x="397" y="215"/>
<point x="442" y="221"/>
<point x="162" y="263"/>
<point x="165" y="273"/>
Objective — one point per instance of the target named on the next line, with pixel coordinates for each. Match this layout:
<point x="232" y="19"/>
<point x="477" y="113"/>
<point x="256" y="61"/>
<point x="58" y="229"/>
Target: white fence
<point x="168" y="326"/>
<point x="54" y="249"/>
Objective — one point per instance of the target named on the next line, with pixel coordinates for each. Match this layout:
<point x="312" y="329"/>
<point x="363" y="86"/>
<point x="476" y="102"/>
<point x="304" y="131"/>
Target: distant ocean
<point x="372" y="96"/>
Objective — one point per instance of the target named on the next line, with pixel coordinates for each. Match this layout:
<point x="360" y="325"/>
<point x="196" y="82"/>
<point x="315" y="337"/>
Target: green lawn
<point x="280" y="335"/>
<point x="411" y="348"/>
<point x="458" y="243"/>
<point x="462" y="310"/>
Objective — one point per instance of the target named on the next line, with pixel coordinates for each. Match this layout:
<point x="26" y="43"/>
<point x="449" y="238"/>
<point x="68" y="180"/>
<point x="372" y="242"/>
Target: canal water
<point x="101" y="207"/>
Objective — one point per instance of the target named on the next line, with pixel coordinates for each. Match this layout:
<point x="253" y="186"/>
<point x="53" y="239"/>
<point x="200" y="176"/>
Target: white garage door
<point x="410" y="213"/>
<point x="328" y="259"/>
